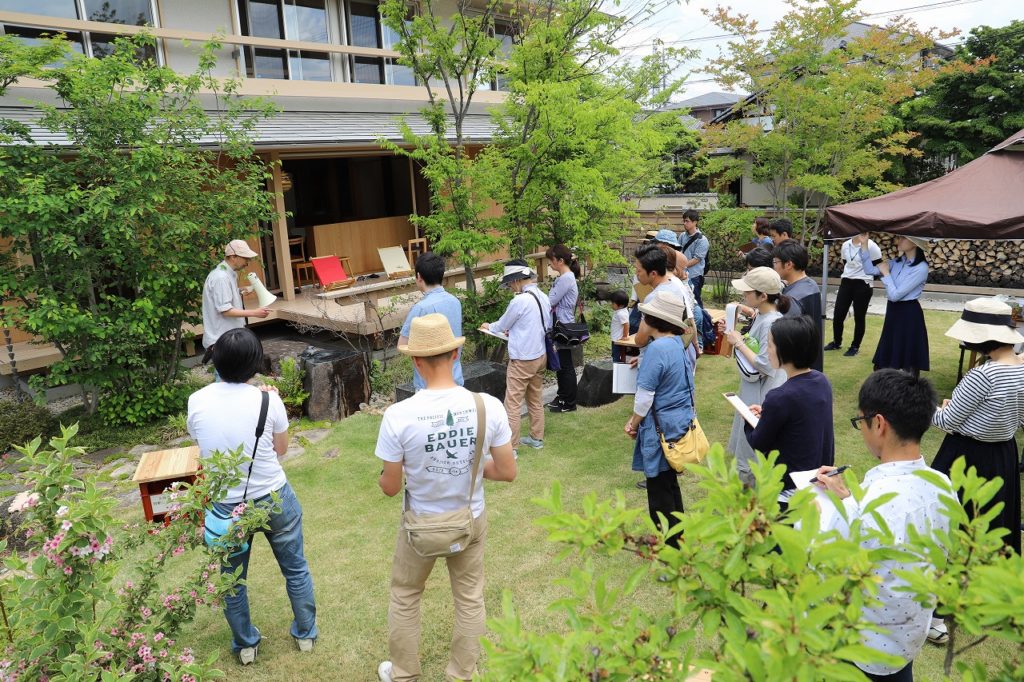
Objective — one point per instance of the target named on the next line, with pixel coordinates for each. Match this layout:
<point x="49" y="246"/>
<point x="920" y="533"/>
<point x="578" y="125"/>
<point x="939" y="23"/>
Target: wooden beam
<point x="280" y="229"/>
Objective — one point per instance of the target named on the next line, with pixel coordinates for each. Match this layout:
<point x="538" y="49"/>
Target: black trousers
<point x="904" y="675"/>
<point x="854" y="292"/>
<point x="663" y="496"/>
<point x="566" y="378"/>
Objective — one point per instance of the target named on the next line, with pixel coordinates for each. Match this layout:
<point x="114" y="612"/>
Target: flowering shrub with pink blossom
<point x="90" y="599"/>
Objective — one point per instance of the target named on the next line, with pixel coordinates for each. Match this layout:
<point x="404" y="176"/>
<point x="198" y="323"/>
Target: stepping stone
<point x="331" y="454"/>
<point x="313" y="435"/>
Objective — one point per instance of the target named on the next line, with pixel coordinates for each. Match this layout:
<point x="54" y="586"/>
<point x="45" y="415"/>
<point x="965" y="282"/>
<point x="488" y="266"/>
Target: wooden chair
<point x="302" y="270"/>
<point x="416" y="248"/>
<point x="331" y="272"/>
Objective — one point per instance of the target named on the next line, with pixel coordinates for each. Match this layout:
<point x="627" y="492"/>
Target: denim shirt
<point x="667" y="371"/>
<point x="437" y="300"/>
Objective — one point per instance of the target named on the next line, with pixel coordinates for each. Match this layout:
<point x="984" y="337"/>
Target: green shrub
<point x="385" y="377"/>
<point x="147" y="401"/>
<point x="20" y="422"/>
<point x="486" y="306"/>
<point x="289" y="386"/>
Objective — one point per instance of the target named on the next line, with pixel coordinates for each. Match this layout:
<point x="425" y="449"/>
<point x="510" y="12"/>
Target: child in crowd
<point x="620" y="322"/>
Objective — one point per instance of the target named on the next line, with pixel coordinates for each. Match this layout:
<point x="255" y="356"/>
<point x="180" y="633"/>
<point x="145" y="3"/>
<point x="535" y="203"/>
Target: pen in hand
<point x="834" y="472"/>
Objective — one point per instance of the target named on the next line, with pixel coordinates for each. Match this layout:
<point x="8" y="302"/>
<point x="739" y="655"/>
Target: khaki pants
<point x="525" y="378"/>
<point x="409" y="574"/>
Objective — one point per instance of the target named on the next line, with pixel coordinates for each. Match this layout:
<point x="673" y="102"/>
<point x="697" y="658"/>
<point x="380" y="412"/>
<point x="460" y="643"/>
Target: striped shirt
<point x="988" y="405"/>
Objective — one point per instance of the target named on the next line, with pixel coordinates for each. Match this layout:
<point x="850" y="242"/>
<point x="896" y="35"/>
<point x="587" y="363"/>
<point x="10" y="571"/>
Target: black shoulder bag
<point x="571" y="333"/>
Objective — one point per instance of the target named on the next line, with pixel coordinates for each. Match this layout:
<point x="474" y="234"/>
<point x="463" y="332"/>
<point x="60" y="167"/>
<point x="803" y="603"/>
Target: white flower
<point x="22" y="501"/>
<point x="63" y="511"/>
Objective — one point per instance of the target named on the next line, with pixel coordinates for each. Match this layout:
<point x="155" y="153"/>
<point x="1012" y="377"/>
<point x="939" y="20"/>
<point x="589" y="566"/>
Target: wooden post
<point x="284" y="257"/>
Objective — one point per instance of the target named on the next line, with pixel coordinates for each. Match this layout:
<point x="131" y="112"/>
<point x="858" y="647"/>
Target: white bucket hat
<point x="430" y="335"/>
<point x="665" y="306"/>
<point x="985" y="319"/>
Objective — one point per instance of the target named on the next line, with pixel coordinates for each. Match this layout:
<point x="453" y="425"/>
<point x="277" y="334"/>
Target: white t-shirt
<point x="619" y="318"/>
<point x="223" y="416"/>
<point x="433" y="434"/>
<point x="854" y="269"/>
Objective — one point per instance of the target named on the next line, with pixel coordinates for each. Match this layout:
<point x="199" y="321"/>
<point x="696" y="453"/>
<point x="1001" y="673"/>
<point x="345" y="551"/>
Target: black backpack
<point x="707" y="259"/>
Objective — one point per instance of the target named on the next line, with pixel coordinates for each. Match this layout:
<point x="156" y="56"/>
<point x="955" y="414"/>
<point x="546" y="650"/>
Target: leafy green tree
<point x="121" y="234"/>
<point x="820" y="125"/>
<point x="575" y="136"/>
<point x="749" y="594"/>
<point x="968" y="110"/>
<point x="450" y="55"/>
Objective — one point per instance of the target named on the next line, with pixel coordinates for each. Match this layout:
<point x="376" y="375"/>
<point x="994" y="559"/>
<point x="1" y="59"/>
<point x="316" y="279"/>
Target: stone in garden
<point x="313" y="435"/>
<point x="337" y="382"/>
<point x="331" y="454"/>
<point x="10" y="522"/>
<point x="479" y="377"/>
<point x="595" y="387"/>
<point x="126" y="470"/>
<point x="293" y="451"/>
<point x="276" y="350"/>
<point x="142" y="448"/>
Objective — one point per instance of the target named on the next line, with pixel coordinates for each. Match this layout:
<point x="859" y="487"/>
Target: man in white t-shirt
<point x="430" y="438"/>
<point x="223" y="416"/>
<point x="855" y="290"/>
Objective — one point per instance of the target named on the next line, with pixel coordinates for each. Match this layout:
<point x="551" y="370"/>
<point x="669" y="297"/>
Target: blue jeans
<point x="285" y="537"/>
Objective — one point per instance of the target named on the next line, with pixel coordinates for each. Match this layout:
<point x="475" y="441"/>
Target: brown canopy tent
<point x="981" y="200"/>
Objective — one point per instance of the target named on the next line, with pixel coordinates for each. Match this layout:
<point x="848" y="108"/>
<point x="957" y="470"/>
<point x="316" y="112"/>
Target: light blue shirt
<point x="905" y="282"/>
<point x="698" y="249"/>
<point x="563" y="295"/>
<point x="668" y="373"/>
<point x="437" y="300"/>
<point x="525" y="324"/>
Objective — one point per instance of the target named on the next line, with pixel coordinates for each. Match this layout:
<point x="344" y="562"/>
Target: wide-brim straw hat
<point x="762" y="279"/>
<point x="430" y="335"/>
<point x="985" y="319"/>
<point x="667" y="307"/>
<point x="516" y="269"/>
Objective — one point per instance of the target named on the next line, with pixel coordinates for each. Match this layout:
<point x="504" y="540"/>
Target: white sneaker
<point x="305" y="645"/>
<point x="247" y="656"/>
<point x="384" y="671"/>
<point x="937" y="633"/>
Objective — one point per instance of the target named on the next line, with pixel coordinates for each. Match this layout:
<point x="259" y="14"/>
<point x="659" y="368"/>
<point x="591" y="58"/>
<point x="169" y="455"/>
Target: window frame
<point x="86" y="36"/>
<point x="287" y="56"/>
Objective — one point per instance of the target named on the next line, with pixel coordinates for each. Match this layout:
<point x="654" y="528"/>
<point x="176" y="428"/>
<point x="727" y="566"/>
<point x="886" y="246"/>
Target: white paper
<point x="803" y="479"/>
<point x="497" y="335"/>
<point x="741" y="408"/>
<point x="731" y="316"/>
<point x="624" y="378"/>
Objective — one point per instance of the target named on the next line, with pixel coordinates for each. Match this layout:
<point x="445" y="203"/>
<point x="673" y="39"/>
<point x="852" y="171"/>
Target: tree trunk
<point x="19" y="394"/>
<point x="470" y="280"/>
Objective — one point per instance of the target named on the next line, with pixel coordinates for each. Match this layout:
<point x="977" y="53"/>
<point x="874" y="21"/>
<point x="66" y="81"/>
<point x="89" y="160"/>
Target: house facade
<point x="331" y="68"/>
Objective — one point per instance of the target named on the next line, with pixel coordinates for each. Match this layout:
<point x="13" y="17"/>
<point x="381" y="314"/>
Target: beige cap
<point x="238" y="247"/>
<point x="985" y="319"/>
<point x="762" y="279"/>
<point x="665" y="306"/>
<point x="430" y="335"/>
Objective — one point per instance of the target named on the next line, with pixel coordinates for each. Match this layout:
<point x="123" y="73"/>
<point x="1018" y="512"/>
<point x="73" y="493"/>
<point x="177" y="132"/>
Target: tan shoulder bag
<point x="448" y="533"/>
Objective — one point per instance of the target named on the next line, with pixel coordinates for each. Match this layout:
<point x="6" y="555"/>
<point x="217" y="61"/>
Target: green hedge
<point x="20" y="422"/>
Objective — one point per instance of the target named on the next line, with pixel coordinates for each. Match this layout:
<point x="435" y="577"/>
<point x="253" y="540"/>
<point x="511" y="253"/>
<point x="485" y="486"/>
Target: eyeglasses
<point x="855" y="421"/>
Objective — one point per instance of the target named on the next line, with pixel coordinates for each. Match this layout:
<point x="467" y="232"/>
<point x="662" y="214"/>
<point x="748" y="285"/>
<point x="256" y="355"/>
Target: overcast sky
<point x="686" y="22"/>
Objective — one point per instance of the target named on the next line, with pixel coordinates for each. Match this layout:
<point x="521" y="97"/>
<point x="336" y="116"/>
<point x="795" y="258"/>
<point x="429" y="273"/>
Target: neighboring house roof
<point x="708" y="100"/>
<point x="301" y="128"/>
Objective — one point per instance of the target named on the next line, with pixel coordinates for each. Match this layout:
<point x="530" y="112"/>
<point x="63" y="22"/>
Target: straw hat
<point x="430" y="335"/>
<point x="667" y="237"/>
<point x="665" y="306"/>
<point x="516" y="269"/>
<point x="762" y="279"/>
<point x="985" y="319"/>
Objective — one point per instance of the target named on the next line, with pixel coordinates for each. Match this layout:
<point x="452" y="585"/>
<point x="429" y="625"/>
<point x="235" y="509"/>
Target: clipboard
<point x="624" y="377"/>
<point x="497" y="335"/>
<point x="741" y="408"/>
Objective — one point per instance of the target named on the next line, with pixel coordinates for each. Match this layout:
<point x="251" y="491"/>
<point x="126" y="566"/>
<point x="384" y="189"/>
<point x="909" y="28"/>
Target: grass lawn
<point x="350" y="528"/>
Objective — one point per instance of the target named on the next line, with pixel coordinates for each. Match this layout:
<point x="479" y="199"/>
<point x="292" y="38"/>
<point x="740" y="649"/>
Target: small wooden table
<point x="157" y="471"/>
